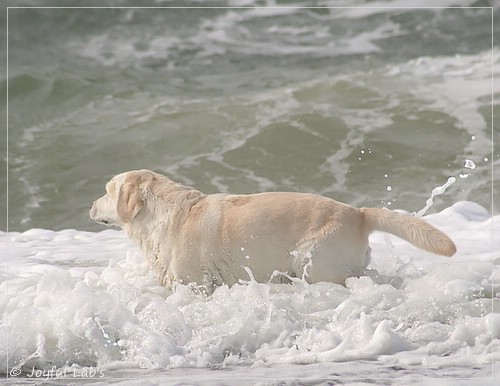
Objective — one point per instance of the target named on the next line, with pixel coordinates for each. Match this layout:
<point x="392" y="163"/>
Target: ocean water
<point x="373" y="104"/>
<point x="83" y="306"/>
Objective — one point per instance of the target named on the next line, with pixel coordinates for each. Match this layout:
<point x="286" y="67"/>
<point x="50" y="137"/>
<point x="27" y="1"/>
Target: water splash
<point x="469" y="164"/>
<point x="435" y="192"/>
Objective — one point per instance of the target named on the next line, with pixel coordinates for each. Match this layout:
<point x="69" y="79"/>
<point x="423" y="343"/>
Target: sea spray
<point x="435" y="192"/>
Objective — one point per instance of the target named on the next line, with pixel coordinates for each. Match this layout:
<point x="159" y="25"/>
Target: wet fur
<point x="190" y="237"/>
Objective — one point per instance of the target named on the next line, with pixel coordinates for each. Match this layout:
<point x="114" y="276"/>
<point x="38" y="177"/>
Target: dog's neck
<point x="152" y="236"/>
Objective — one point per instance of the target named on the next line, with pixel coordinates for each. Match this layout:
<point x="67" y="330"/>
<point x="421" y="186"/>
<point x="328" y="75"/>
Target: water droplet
<point x="469" y="164"/>
<point x="486" y="159"/>
<point x="473" y="137"/>
<point x="389" y="188"/>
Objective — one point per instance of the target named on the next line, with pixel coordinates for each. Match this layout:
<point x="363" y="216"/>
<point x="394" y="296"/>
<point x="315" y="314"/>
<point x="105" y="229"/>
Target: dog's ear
<point x="130" y="202"/>
<point x="131" y="198"/>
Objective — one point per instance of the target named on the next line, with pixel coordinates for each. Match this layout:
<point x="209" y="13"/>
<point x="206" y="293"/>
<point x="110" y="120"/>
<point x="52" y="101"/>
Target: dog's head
<point x="124" y="199"/>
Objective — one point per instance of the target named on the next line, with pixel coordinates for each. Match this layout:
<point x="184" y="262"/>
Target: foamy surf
<point x="73" y="301"/>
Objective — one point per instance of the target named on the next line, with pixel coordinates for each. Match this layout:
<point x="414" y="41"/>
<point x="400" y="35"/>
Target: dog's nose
<point x="92" y="210"/>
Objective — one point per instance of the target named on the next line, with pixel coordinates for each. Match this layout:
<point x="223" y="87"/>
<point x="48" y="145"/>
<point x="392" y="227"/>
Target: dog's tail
<point x="409" y="228"/>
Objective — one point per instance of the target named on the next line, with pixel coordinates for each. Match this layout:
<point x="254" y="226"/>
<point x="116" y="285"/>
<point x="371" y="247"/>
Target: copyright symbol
<point x="15" y="371"/>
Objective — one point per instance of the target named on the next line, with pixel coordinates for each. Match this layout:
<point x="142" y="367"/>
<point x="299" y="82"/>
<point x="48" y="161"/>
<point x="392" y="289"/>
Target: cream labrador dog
<point x="191" y="237"/>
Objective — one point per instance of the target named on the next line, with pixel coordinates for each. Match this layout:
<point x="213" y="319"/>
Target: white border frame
<point x="492" y="158"/>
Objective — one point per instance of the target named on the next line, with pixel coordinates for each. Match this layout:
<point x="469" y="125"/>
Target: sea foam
<point x="75" y="299"/>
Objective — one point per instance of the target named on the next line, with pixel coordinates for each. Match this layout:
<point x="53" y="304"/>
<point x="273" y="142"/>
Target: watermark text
<point x="55" y="372"/>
